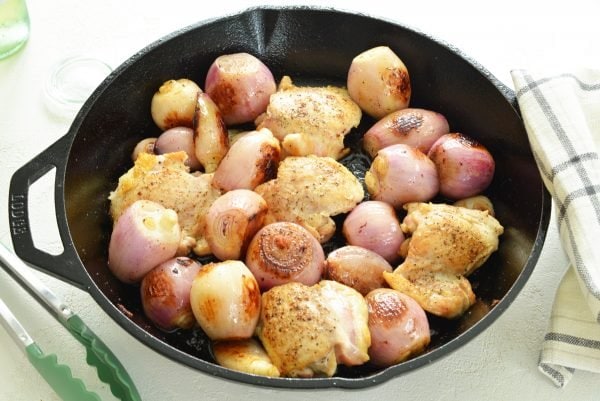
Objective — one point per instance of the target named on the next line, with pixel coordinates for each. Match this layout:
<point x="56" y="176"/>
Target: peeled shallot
<point x="231" y="222"/>
<point x="357" y="267"/>
<point x="419" y="128"/>
<point x="378" y="82"/>
<point x="178" y="139"/>
<point x="174" y="102"/>
<point x="240" y="84"/>
<point x="165" y="292"/>
<point x="282" y="252"/>
<point x="251" y="160"/>
<point x="465" y="167"/>
<point x="225" y="300"/>
<point x="373" y="225"/>
<point x="398" y="325"/>
<point x="401" y="174"/>
<point x="145" y="235"/>
<point x="211" y="140"/>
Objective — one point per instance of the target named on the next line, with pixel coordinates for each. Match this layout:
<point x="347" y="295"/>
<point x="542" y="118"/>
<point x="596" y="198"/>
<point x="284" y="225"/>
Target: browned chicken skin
<point x="310" y="120"/>
<point x="307" y="331"/>
<point x="447" y="244"/>
<point x="165" y="179"/>
<point x="308" y="190"/>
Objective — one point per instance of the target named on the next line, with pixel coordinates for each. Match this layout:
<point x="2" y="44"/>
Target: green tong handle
<point x="58" y="376"/>
<point x="109" y="368"/>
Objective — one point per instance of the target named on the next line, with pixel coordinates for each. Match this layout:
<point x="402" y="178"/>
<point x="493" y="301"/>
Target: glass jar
<point x="71" y="82"/>
<point x="14" y="26"/>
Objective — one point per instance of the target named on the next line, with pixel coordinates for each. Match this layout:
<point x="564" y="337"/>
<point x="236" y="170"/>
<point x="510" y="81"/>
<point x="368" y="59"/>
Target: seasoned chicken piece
<point x="439" y="293"/>
<point x="296" y="331"/>
<point x="351" y="314"/>
<point x="307" y="331"/>
<point x="308" y="190"/>
<point x="310" y="120"/>
<point x="165" y="179"/>
<point x="447" y="244"/>
<point x="450" y="238"/>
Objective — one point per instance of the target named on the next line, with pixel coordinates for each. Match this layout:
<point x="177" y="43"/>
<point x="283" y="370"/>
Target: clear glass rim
<point x="55" y="87"/>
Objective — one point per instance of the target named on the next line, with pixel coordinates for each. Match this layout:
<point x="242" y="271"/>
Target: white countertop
<point x="500" y="364"/>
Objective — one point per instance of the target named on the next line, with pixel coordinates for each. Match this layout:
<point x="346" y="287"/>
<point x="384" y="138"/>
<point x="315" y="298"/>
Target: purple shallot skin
<point x="465" y="167"/>
<point x="165" y="293"/>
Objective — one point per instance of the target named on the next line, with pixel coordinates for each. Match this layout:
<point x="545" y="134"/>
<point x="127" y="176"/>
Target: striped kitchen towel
<point x="562" y="118"/>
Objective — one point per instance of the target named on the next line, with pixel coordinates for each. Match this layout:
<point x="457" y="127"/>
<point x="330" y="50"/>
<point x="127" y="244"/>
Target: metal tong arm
<point x="14" y="327"/>
<point x="109" y="368"/>
<point x="25" y="276"/>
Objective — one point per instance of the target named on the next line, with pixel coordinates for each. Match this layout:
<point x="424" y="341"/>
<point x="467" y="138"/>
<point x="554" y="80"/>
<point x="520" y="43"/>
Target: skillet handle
<point x="66" y="265"/>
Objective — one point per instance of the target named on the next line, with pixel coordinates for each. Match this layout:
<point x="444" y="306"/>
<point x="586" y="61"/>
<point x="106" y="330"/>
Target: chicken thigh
<point x="308" y="190"/>
<point x="350" y="312"/>
<point x="307" y="331"/>
<point x="310" y="120"/>
<point x="447" y="244"/>
<point x="165" y="179"/>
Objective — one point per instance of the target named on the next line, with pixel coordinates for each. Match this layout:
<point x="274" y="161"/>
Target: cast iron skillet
<point x="310" y="45"/>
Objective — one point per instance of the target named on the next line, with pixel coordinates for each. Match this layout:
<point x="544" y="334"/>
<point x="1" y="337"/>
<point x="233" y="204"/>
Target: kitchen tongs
<point x="59" y="376"/>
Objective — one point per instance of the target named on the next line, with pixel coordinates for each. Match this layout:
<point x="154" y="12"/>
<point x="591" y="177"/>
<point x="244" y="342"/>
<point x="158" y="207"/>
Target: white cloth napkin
<point x="562" y="118"/>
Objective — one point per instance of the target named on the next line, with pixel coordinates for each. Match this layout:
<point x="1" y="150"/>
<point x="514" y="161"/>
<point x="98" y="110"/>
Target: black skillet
<point x="311" y="45"/>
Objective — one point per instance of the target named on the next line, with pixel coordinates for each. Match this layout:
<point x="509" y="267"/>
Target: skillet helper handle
<point x="110" y="370"/>
<point x="64" y="265"/>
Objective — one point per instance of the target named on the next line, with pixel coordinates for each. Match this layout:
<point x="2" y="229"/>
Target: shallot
<point x="178" y="139"/>
<point x="231" y="222"/>
<point x="225" y="300"/>
<point x="174" y="103"/>
<point x="165" y="293"/>
<point x="465" y="167"/>
<point x="211" y="139"/>
<point x="251" y="160"/>
<point x="282" y="252"/>
<point x="478" y="202"/>
<point x="145" y="235"/>
<point x="398" y="325"/>
<point x="378" y="82"/>
<point x="373" y="225"/>
<point x="401" y="174"/>
<point x="357" y="267"/>
<point x="146" y="145"/>
<point x="419" y="128"/>
<point x="241" y="85"/>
